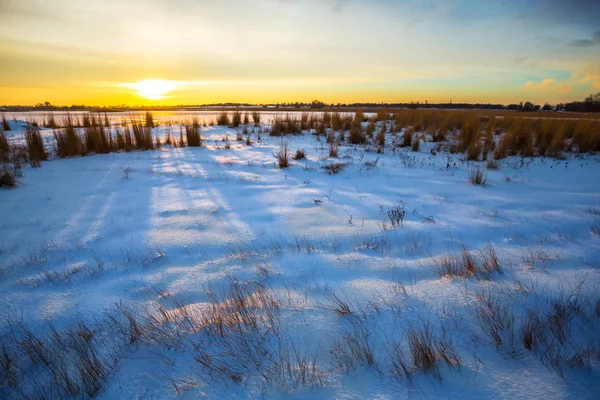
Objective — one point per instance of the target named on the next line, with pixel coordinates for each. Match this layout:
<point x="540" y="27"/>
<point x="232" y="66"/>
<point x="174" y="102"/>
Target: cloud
<point x="520" y="60"/>
<point x="594" y="41"/>
<point x="590" y="76"/>
<point x="582" y="43"/>
<point x="550" y="85"/>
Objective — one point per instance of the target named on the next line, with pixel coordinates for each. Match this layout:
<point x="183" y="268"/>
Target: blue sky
<point x="96" y="51"/>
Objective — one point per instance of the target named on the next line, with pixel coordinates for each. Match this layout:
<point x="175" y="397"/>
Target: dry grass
<point x="356" y="135"/>
<point x="8" y="177"/>
<point x="333" y="149"/>
<point x="143" y="136"/>
<point x="192" y="133"/>
<point x="492" y="164"/>
<point x="466" y="265"/>
<point x="299" y="154"/>
<point x="283" y="155"/>
<point x="416" y="143"/>
<point x="426" y="349"/>
<point x="334" y="168"/>
<point x="407" y="137"/>
<point x="149" y="120"/>
<point x="236" y="119"/>
<point x="5" y="124"/>
<point x="477" y="177"/>
<point x="223" y="119"/>
<point x="285" y="126"/>
<point x="256" y="117"/>
<point x="4" y="147"/>
<point x="68" y="142"/>
<point x="35" y="146"/>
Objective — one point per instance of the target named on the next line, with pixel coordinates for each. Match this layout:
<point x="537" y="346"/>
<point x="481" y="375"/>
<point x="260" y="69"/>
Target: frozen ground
<point x="103" y="238"/>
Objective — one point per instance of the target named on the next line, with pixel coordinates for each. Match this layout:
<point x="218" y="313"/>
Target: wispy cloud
<point x="594" y="41"/>
<point x="550" y="85"/>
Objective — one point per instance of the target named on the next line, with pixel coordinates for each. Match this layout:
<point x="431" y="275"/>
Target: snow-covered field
<point x="209" y="272"/>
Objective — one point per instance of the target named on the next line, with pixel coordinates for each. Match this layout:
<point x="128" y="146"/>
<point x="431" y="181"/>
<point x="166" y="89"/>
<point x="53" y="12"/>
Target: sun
<point x="152" y="89"/>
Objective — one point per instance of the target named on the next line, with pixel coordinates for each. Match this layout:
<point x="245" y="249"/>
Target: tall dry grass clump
<point x="416" y="143"/>
<point x="7" y="173"/>
<point x="356" y="135"/>
<point x="223" y="119"/>
<point x="336" y="121"/>
<point x="283" y="155"/>
<point x="383" y="115"/>
<point x="407" y="137"/>
<point x="143" y="136"/>
<point x="192" y="132"/>
<point x="380" y="138"/>
<point x="35" y="146"/>
<point x="586" y="136"/>
<point x="285" y="126"/>
<point x="68" y="142"/>
<point x="50" y="122"/>
<point x="236" y="119"/>
<point x="470" y="140"/>
<point x="149" y="120"/>
<point x="5" y="124"/>
<point x="326" y="119"/>
<point x="96" y="137"/>
<point x="256" y="117"/>
<point x="4" y="147"/>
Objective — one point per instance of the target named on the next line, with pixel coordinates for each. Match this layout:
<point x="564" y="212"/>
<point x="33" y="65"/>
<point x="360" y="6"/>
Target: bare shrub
<point x="283" y="155"/>
<point x="396" y="216"/>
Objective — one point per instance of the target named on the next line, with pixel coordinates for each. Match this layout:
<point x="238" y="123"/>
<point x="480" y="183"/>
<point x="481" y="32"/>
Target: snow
<point x="81" y="235"/>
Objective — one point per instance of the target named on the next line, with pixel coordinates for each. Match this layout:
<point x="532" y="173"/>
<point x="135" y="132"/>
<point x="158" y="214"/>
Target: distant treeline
<point x="590" y="104"/>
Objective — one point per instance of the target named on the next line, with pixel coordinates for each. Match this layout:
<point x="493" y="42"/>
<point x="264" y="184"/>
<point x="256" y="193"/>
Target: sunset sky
<point x="194" y="51"/>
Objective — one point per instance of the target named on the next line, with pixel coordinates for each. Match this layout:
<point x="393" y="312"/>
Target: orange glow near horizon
<point x="156" y="52"/>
